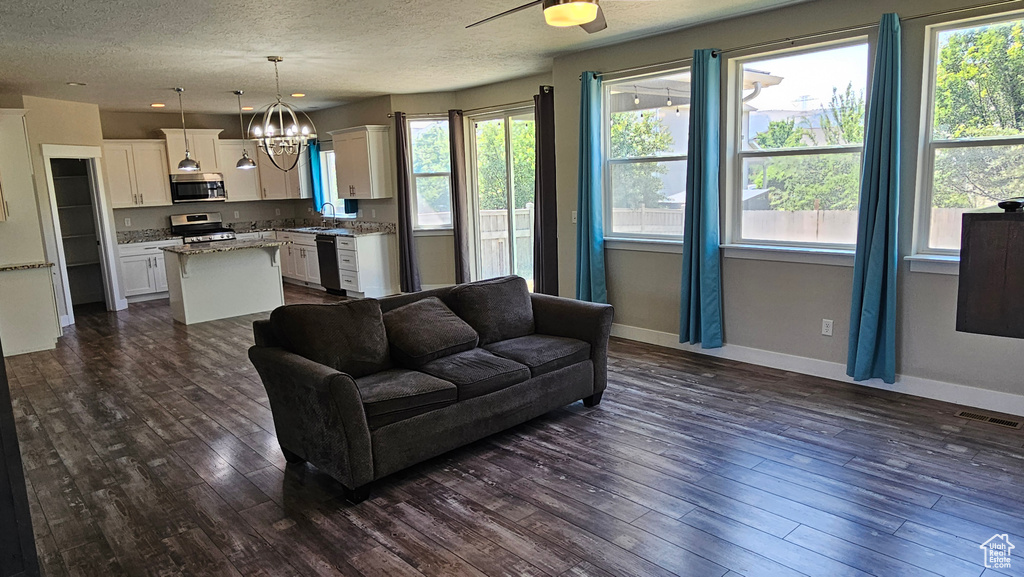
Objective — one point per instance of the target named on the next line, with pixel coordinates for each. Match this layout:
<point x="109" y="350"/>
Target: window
<point x="800" y="132"/>
<point x="329" y="181"/>
<point x="974" y="154"/>
<point x="431" y="174"/>
<point x="648" y="120"/>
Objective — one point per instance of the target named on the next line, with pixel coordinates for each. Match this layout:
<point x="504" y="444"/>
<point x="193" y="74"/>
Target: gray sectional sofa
<point x="365" y="388"/>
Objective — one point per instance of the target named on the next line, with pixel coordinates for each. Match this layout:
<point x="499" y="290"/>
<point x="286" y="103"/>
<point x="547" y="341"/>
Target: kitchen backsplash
<point x="151" y="234"/>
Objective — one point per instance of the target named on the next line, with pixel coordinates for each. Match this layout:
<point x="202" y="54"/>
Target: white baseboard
<point x="149" y="297"/>
<point x="917" y="386"/>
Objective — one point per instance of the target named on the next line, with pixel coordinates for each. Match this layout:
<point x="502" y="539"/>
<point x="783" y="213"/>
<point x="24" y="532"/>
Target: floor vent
<point x="989" y="419"/>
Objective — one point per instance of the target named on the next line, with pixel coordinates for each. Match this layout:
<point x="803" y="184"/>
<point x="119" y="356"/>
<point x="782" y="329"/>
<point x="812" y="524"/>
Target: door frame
<point x="473" y="188"/>
<point x="103" y="218"/>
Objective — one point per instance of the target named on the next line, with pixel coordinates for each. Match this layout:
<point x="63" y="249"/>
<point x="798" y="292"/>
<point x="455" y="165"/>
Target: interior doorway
<point x="76" y="216"/>
<point x="504" y="184"/>
<point x="80" y="236"/>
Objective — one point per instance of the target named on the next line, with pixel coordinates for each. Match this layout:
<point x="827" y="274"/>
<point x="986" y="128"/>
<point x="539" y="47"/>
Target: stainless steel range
<point x="201" y="227"/>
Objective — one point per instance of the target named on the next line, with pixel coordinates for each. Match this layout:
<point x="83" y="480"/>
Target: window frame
<point x="330" y="182"/>
<point x="929" y="145"/>
<point x="607" y="161"/>
<point x="735" y="178"/>
<point x="414" y="196"/>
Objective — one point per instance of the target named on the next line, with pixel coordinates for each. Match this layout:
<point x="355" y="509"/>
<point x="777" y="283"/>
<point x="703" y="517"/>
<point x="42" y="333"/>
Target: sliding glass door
<point x="504" y="182"/>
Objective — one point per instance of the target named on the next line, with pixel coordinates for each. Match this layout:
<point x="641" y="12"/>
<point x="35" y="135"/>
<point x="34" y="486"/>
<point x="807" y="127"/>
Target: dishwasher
<point x="327" y="255"/>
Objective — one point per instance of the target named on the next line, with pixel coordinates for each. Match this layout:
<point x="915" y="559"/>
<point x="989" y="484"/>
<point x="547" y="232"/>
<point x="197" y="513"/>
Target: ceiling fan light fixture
<point x="564" y="13"/>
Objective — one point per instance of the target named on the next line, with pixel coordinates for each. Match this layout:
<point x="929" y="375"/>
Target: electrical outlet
<point x="127" y="221"/>
<point x="236" y="214"/>
<point x="574" y="217"/>
<point x="826" y="327"/>
<point x="373" y="213"/>
<point x="309" y="210"/>
<point x="360" y="212"/>
<point x="277" y="212"/>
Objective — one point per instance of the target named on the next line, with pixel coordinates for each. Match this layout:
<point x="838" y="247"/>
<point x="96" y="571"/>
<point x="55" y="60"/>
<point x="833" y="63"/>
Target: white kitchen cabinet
<point x="277" y="184"/>
<point x="239" y="185"/>
<point x="203" y="143"/>
<point x="135" y="173"/>
<point x="143" y="273"/>
<point x="299" y="259"/>
<point x="365" y="265"/>
<point x="362" y="158"/>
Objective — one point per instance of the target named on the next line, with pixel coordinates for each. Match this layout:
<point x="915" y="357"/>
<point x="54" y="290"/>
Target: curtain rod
<point x="495" y="107"/>
<point x="811" y="36"/>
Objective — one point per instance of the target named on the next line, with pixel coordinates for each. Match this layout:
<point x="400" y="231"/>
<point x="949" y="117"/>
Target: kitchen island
<point x="216" y="280"/>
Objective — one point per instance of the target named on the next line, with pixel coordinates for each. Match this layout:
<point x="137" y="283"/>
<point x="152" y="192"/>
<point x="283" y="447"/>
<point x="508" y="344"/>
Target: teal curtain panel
<point x="700" y="308"/>
<point x="872" y="352"/>
<point x="590" y="276"/>
<point x="314" y="170"/>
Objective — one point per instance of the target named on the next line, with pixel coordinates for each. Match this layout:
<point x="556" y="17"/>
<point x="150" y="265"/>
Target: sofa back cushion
<point x="425" y="330"/>
<point x="347" y="336"/>
<point x="498" y="309"/>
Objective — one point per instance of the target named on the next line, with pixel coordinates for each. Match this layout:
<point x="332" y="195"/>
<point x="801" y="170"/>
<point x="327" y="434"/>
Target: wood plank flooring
<point x="149" y="449"/>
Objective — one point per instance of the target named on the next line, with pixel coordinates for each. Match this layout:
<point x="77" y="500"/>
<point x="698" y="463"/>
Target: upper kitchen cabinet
<point x="362" y="157"/>
<point x="277" y="184"/>
<point x="202" y="143"/>
<point x="135" y="173"/>
<point x="240" y="185"/>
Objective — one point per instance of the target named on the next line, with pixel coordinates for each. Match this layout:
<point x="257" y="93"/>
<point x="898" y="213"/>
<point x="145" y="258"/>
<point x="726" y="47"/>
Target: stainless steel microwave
<point x="197" y="187"/>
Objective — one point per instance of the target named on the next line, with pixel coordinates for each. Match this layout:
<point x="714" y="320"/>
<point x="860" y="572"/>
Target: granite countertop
<point x="338" y="231"/>
<point x="26" y="266"/>
<point x="222" y="246"/>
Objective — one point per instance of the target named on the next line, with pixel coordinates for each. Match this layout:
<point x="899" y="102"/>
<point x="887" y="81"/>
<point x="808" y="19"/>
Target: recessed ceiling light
<point x="298" y="94"/>
<point x="157" y="105"/>
<point x="247" y="108"/>
<point x="75" y="83"/>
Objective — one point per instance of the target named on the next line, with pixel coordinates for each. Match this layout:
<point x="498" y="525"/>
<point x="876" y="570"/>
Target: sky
<point x="808" y="78"/>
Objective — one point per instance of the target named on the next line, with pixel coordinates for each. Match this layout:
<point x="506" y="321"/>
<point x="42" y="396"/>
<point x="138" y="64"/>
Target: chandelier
<point x="280" y="134"/>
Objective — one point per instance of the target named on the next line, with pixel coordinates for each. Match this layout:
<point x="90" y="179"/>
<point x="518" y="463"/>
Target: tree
<point x="813" y="182"/>
<point x="638" y="134"/>
<point x="979" y="92"/>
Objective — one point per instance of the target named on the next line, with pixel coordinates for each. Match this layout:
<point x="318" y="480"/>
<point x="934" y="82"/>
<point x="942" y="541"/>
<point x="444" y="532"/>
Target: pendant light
<point x="244" y="163"/>
<point x="187" y="163"/>
<point x="288" y="138"/>
<point x="668" y="99"/>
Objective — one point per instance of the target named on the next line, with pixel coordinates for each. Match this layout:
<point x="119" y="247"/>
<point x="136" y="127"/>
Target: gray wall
<point x="775" y="306"/>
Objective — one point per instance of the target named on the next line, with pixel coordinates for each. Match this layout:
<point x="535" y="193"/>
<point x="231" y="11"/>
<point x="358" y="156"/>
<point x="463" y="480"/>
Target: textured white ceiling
<point x="132" y="52"/>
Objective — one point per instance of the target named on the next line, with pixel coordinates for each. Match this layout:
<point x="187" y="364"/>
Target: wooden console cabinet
<point x="991" y="297"/>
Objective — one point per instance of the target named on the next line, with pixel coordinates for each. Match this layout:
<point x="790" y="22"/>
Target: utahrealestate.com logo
<point x="997" y="552"/>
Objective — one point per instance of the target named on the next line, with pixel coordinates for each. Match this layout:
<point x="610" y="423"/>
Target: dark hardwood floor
<point x="149" y="449"/>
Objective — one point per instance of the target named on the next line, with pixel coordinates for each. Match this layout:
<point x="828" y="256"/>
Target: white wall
<point x="778" y="307"/>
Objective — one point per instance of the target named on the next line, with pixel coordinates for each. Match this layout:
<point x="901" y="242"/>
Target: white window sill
<point x="644" y="245"/>
<point x="934" y="263"/>
<point x="433" y="232"/>
<point x="825" y="256"/>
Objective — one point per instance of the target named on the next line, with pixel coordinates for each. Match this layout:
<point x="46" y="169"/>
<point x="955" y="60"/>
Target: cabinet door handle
<point x="149" y="263"/>
<point x="7" y="210"/>
<point x="142" y="199"/>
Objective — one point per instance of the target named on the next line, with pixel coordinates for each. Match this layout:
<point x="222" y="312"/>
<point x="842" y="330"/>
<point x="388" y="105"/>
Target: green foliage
<point x="430" y="154"/>
<point x="638" y="134"/>
<point x="813" y="182"/>
<point x="979" y="92"/>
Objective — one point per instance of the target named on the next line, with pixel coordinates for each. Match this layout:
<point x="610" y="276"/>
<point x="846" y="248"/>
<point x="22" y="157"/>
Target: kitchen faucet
<point x="323" y="215"/>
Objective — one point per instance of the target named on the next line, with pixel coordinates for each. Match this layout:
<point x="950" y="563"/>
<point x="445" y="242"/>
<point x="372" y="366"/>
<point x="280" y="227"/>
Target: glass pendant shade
<point x="563" y="13"/>
<point x="188" y="163"/>
<point x="245" y="163"/>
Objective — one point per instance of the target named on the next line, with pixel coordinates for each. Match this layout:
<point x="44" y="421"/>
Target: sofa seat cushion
<point x="477" y="372"/>
<point x="348" y="336"/>
<point x="498" y="309"/>
<point x="542" y="353"/>
<point x="425" y="330"/>
<point x="397" y="394"/>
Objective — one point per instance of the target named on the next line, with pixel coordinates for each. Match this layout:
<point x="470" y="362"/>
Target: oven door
<point x="204" y="187"/>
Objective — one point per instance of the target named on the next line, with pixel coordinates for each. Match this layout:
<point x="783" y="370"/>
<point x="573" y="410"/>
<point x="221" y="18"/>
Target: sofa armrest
<point x="590" y="322"/>
<point x="318" y="414"/>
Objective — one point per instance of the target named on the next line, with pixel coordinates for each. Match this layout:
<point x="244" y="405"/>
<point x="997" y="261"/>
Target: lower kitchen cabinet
<point x="298" y="259"/>
<point x="365" y="265"/>
<point x="143" y="273"/>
